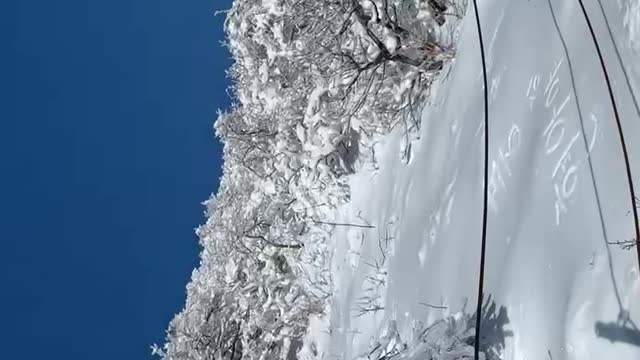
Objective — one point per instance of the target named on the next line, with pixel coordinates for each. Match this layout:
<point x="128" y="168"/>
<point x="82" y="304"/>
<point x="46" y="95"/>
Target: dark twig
<point x="626" y="244"/>
<point x="343" y="224"/>
<point x="433" y="306"/>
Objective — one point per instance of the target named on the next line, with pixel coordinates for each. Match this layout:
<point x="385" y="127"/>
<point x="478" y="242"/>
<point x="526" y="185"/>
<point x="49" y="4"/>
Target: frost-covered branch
<point x="313" y="81"/>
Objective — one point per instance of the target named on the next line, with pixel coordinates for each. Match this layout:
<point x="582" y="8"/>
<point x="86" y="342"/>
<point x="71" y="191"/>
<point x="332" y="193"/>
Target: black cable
<point x="476" y="345"/>
<point x="589" y="161"/>
<point x="620" y="132"/>
<point x="617" y="51"/>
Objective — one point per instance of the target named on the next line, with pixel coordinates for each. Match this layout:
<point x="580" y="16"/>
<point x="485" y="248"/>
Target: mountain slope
<point x="555" y="287"/>
<point x="348" y="222"/>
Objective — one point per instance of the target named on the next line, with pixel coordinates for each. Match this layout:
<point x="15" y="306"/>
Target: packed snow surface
<point x="558" y="195"/>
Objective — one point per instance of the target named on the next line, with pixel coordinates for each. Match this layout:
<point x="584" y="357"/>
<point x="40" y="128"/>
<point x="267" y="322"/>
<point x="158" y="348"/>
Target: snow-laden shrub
<point x="450" y="338"/>
<point x="312" y="81"/>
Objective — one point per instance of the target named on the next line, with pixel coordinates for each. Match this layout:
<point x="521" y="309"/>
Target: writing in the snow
<point x="500" y="169"/>
<point x="558" y="143"/>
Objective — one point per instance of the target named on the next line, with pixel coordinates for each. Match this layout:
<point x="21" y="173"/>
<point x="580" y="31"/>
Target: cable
<point x="626" y="79"/>
<point x="620" y="132"/>
<point x="617" y="51"/>
<point x="476" y="345"/>
<point x="589" y="161"/>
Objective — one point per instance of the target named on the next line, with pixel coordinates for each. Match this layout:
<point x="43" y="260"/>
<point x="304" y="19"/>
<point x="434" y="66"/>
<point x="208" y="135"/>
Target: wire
<point x="620" y="132"/>
<point x="590" y="162"/>
<point x="476" y="345"/>
<point x="617" y="51"/>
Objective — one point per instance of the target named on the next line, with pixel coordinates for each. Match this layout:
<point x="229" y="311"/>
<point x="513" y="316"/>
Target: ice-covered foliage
<point x="450" y="338"/>
<point x="313" y="81"/>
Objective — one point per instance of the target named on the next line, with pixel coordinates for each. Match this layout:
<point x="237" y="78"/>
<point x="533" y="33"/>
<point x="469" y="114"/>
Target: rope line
<point x="617" y="51"/>
<point x="589" y="160"/>
<point x="620" y="131"/>
<point x="476" y="345"/>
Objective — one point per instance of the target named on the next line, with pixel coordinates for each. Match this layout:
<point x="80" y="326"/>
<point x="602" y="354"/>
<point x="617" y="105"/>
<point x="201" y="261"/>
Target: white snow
<point x="391" y="41"/>
<point x="562" y="290"/>
<point x="631" y="21"/>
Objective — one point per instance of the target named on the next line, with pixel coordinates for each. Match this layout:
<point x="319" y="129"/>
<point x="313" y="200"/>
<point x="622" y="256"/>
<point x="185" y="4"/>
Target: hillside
<point x="348" y="223"/>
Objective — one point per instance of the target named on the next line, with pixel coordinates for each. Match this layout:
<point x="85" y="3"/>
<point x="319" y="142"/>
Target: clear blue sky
<point x="106" y="152"/>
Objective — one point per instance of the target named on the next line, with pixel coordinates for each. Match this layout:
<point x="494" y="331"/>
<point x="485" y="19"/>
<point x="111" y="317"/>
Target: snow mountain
<point x="348" y="223"/>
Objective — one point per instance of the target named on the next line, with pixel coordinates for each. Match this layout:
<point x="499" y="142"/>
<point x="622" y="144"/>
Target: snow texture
<point x="557" y="194"/>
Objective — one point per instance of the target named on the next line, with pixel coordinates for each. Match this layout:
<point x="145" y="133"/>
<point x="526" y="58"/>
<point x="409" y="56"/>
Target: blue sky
<point x="106" y="152"/>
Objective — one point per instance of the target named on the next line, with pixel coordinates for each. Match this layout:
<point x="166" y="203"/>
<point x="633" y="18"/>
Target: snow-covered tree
<point x="313" y="80"/>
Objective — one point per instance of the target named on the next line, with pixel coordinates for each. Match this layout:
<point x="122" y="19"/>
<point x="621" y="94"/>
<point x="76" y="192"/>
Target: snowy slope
<point x="551" y="277"/>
